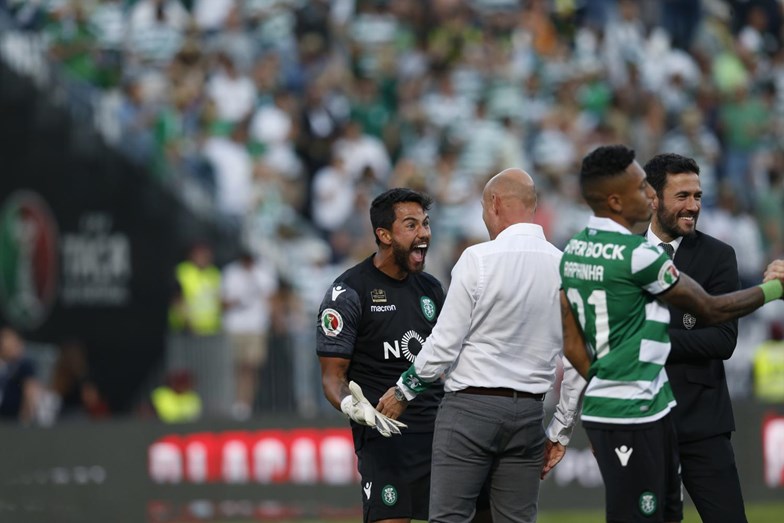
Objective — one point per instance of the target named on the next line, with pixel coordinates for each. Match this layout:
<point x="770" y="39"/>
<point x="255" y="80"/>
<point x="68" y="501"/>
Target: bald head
<point x="513" y="185"/>
<point x="509" y="197"/>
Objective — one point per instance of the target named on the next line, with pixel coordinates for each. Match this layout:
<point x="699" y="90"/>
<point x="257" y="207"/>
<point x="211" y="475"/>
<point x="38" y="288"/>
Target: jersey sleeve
<point x="338" y="322"/>
<point x="652" y="269"/>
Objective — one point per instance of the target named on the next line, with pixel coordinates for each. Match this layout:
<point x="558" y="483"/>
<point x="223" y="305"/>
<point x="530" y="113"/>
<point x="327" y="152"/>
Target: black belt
<point x="500" y="391"/>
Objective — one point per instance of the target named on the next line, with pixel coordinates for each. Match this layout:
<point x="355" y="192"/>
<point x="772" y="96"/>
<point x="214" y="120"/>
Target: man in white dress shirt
<point x="497" y="342"/>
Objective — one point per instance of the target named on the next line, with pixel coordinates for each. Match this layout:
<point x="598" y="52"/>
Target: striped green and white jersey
<point x="611" y="278"/>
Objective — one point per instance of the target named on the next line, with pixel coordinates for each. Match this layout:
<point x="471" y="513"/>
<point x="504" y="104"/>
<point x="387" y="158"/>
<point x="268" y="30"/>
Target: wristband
<point x="772" y="290"/>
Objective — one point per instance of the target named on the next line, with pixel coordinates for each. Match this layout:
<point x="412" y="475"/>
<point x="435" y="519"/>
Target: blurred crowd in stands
<point x="289" y="116"/>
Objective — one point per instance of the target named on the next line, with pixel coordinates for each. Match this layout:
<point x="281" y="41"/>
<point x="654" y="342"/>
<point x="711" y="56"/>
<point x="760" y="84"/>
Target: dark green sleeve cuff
<point x="413" y="382"/>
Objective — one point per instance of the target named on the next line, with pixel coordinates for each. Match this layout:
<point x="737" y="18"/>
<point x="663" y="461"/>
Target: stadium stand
<point x="279" y="120"/>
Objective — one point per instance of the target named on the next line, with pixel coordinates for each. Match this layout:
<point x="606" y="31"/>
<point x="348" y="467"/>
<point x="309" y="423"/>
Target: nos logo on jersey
<point x="410" y="345"/>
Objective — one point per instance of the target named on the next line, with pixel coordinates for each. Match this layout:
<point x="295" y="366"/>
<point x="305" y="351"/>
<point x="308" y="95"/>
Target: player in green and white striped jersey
<point x="611" y="278"/>
<point x="612" y="283"/>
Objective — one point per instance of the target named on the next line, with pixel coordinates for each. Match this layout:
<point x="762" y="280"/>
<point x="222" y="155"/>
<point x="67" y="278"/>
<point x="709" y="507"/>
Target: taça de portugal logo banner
<point x="28" y="259"/>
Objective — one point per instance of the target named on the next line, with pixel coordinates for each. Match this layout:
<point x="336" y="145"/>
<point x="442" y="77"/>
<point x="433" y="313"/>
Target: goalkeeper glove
<point x="359" y="409"/>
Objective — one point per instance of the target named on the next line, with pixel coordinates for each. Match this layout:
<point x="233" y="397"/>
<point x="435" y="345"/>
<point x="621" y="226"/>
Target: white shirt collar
<point x="652" y="238"/>
<point x="528" y="229"/>
<point x="606" y="224"/>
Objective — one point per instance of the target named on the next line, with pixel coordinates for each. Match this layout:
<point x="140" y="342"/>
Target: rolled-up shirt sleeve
<point x="568" y="408"/>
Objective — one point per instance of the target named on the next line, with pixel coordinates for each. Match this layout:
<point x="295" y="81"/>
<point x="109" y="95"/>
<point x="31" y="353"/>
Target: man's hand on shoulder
<point x="359" y="409"/>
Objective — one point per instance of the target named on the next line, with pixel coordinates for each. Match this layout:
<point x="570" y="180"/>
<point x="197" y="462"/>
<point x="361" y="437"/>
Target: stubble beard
<point x="669" y="223"/>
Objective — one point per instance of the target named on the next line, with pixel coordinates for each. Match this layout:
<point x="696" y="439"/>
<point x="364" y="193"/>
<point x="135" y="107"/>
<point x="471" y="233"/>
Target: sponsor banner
<point x="773" y="451"/>
<point x="298" y="457"/>
<point x="207" y="510"/>
<point x="131" y="471"/>
<point x="96" y="258"/>
<point x="90" y="266"/>
<point x="88" y="239"/>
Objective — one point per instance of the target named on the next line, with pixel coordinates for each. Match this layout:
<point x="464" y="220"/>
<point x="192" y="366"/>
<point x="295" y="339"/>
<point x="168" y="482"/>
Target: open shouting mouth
<point x="419" y="252"/>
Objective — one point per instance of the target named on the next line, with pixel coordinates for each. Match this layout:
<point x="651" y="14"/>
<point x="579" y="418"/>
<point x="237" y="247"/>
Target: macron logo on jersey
<point x="624" y="453"/>
<point x="608" y="251"/>
<point x="383" y="308"/>
<point x="337" y="291"/>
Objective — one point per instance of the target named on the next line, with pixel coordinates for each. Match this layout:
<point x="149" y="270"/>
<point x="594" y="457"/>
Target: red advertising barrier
<point x="773" y="450"/>
<point x="281" y="470"/>
<point x="299" y="457"/>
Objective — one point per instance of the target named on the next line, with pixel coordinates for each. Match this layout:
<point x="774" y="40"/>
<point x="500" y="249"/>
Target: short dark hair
<point x="604" y="162"/>
<point x="658" y="167"/>
<point x="382" y="210"/>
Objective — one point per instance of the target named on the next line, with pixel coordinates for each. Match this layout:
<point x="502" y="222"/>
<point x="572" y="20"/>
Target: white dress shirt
<point x="655" y="240"/>
<point x="500" y="325"/>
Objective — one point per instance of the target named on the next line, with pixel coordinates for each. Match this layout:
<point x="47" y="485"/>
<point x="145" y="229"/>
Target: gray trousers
<point x="486" y="437"/>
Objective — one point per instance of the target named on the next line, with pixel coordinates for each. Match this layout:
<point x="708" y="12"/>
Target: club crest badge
<point x="689" y="321"/>
<point x="648" y="503"/>
<point x="428" y="308"/>
<point x="389" y="495"/>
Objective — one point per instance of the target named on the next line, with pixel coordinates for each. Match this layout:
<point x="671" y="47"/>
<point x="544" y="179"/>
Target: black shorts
<point x="641" y="470"/>
<point x="395" y="474"/>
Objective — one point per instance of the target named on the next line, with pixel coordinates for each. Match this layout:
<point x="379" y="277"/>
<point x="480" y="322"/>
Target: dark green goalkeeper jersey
<point x="611" y="278"/>
<point x="380" y="324"/>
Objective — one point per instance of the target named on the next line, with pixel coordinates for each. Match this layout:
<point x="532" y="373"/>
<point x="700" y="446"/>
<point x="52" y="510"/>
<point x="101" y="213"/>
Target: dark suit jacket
<point x="695" y="366"/>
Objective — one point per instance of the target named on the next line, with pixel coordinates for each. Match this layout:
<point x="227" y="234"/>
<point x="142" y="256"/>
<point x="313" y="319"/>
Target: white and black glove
<point x="359" y="409"/>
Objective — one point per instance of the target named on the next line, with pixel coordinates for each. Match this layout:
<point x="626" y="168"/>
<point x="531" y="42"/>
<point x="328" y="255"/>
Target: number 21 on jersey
<point x="594" y="320"/>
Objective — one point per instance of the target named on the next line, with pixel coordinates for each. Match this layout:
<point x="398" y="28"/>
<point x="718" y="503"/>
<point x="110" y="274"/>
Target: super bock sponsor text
<point x="608" y="251"/>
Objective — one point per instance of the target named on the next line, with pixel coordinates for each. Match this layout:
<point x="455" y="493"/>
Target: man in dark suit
<point x="703" y="417"/>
